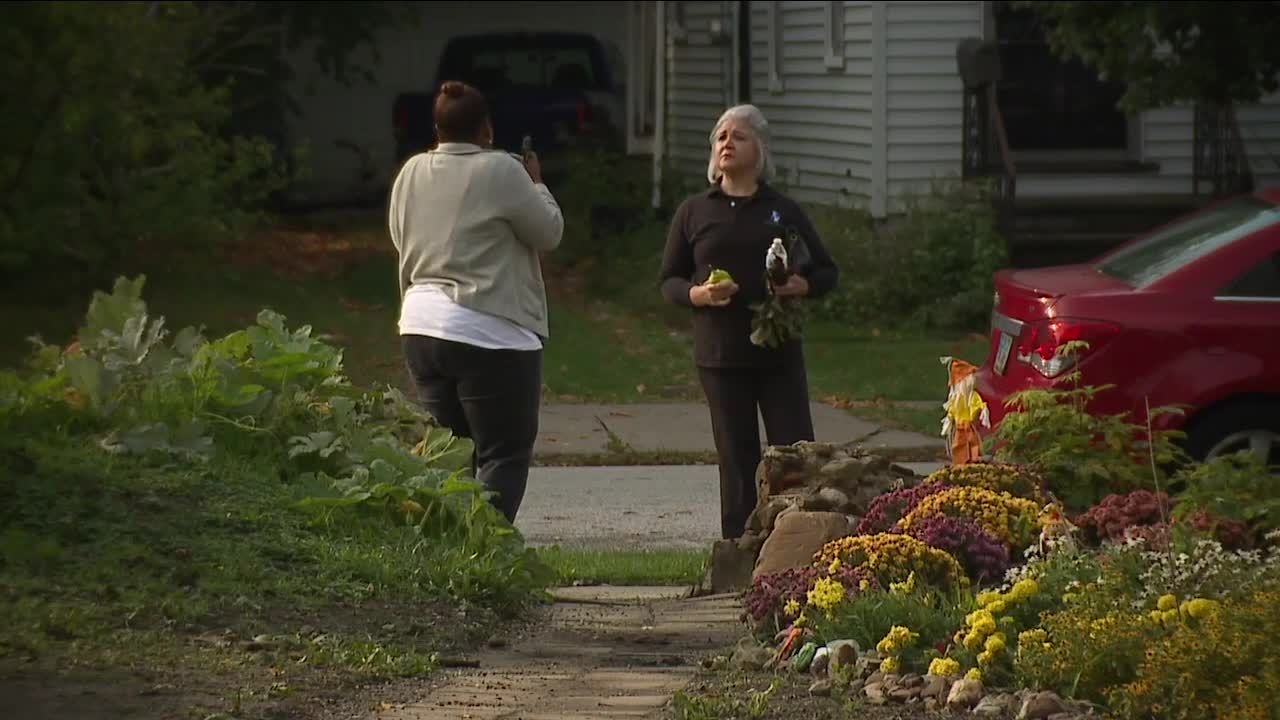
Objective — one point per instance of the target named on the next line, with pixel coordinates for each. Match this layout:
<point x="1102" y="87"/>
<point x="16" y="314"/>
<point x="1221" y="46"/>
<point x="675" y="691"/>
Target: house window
<point x="775" y="46"/>
<point x="834" y="36"/>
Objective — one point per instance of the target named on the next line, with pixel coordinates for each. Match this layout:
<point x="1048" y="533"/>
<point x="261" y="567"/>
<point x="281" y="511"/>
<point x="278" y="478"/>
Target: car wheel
<point x="1253" y="427"/>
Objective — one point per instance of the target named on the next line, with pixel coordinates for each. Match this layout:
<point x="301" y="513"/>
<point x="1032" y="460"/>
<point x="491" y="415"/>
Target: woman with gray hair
<point x="731" y="227"/>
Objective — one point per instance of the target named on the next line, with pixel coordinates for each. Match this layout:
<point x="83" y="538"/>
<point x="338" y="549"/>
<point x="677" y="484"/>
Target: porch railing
<point x="1221" y="159"/>
<point x="984" y="139"/>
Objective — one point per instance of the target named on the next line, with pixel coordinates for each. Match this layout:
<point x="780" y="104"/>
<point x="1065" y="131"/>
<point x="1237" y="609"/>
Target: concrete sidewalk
<point x="569" y="429"/>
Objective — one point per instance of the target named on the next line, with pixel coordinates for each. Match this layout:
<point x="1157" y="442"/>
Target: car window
<point x="1260" y="281"/>
<point x="1182" y="243"/>
<point x="570" y="68"/>
<point x="494" y="64"/>
<point x="492" y="69"/>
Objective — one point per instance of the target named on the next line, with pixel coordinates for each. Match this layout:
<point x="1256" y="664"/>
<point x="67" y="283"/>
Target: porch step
<point x="1083" y="166"/>
<point x="1063" y="230"/>
<point x="1088" y="185"/>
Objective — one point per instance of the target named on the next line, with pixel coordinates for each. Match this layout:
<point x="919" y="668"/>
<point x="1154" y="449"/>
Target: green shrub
<point x="1083" y="455"/>
<point x="931" y="267"/>
<point x="365" y="462"/>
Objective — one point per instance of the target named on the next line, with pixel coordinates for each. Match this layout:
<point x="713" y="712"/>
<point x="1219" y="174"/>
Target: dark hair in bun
<point x="460" y="112"/>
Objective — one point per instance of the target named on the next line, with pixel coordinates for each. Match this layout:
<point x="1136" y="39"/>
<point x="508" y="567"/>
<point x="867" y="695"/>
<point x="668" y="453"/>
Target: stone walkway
<point x="601" y="653"/>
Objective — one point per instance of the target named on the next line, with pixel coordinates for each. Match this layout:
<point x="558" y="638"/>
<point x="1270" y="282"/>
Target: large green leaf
<point x="109" y="313"/>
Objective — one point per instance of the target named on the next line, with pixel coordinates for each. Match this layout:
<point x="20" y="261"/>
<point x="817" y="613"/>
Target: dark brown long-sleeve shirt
<point x="714" y="230"/>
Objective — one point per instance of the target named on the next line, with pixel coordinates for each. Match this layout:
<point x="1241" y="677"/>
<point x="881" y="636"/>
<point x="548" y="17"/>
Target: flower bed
<point x="972" y="591"/>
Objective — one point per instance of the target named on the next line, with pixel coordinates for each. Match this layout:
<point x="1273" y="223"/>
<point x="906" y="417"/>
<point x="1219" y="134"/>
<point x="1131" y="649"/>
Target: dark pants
<point x="779" y="395"/>
<point x="489" y="396"/>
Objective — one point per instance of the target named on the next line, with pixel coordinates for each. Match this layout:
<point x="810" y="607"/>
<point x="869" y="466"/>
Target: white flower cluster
<point x="1208" y="571"/>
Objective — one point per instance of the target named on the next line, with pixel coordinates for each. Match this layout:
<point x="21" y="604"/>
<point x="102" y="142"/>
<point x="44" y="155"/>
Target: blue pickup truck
<point x="561" y="89"/>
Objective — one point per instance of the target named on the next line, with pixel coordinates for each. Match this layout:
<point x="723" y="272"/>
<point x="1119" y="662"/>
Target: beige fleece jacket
<point x="471" y="221"/>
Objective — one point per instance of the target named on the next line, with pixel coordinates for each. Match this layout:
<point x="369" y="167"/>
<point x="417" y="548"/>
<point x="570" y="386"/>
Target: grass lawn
<point x="162" y="588"/>
<point x="341" y="279"/>
<point x="625" y="567"/>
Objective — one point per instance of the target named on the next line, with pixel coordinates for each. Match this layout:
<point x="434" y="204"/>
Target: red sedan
<point x="1187" y="315"/>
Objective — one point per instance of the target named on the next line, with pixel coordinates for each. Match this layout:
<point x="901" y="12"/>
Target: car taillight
<point x="1043" y="344"/>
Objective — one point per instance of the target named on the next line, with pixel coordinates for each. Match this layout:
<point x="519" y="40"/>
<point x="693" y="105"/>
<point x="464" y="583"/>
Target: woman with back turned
<point x="468" y="223"/>
<point x="731" y="226"/>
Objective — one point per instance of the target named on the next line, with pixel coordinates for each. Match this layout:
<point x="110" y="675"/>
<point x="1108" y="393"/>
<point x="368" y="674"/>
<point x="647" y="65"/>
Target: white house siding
<point x="821" y="117"/>
<point x="361" y="113"/>
<point x="1169" y="139"/>
<point x="699" y="81"/>
<point x="925" y="101"/>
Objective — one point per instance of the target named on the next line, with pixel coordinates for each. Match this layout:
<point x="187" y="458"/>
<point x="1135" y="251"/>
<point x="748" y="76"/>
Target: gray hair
<point x="759" y="131"/>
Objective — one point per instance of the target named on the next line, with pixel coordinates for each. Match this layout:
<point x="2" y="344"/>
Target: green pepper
<point x="803" y="658"/>
<point x="718" y="276"/>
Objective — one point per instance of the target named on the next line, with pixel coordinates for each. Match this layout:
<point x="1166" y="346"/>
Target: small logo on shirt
<point x="775" y="217"/>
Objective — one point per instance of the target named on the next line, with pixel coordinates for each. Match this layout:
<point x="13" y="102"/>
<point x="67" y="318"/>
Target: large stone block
<point x="797" y="537"/>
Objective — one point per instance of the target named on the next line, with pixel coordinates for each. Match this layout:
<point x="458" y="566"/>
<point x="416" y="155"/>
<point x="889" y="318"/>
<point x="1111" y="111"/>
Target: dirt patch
<point x="727" y="694"/>
<point x="279" y="664"/>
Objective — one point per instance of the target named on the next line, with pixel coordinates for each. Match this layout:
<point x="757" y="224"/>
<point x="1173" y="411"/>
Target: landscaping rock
<point x="729" y="570"/>
<point x="821" y="659"/>
<point x="816" y="479"/>
<point x="749" y="655"/>
<point x="1041" y="706"/>
<point x="820" y="688"/>
<point x="750" y="543"/>
<point x="762" y="522"/>
<point x="996" y="705"/>
<point x="905" y="694"/>
<point x="911" y="680"/>
<point x="965" y="693"/>
<point x="935" y="686"/>
<point x="797" y="537"/>
<point x="875" y="693"/>
<point x="844" y="653"/>
<point x="795" y="469"/>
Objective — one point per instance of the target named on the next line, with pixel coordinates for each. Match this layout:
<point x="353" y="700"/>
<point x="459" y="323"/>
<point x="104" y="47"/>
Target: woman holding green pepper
<point x="731" y="227"/>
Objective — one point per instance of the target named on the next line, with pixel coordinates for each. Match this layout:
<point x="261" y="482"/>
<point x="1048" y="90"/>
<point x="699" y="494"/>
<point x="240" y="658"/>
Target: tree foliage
<point x="153" y="121"/>
<point x="1220" y="53"/>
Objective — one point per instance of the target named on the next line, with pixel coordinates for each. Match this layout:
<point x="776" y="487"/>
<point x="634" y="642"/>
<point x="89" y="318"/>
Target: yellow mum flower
<point x="1166" y="602"/>
<point x="997" y="607"/>
<point x="1024" y="589"/>
<point x="985" y="658"/>
<point x="792" y="608"/>
<point x="826" y="594"/>
<point x="1033" y="635"/>
<point x="835" y="566"/>
<point x="889" y="665"/>
<point x="974" y="674"/>
<point x="944" y="667"/>
<point x="1200" y="608"/>
<point x="906" y="587"/>
<point x="995" y="643"/>
<point x="972" y="641"/>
